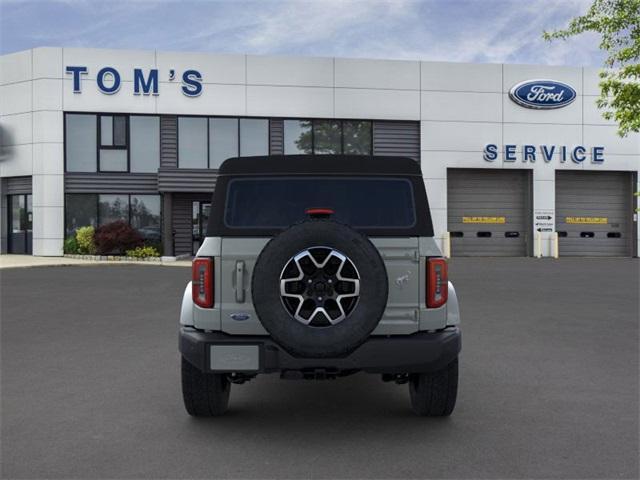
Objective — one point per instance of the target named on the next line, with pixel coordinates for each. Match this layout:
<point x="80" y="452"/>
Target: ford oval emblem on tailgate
<point x="240" y="317"/>
<point x="542" y="94"/>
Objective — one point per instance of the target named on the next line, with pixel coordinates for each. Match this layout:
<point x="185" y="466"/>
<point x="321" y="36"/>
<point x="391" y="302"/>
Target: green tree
<point x="618" y="23"/>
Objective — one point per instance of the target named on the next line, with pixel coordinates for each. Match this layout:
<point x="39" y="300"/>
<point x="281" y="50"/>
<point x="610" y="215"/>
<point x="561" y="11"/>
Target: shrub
<point x="116" y="238"/>
<point x="70" y="245"/>
<point x="84" y="238"/>
<point x="142" y="252"/>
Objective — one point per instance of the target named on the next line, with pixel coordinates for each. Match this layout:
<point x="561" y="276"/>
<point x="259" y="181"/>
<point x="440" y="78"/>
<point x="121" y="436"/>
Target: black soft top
<point x="321" y="164"/>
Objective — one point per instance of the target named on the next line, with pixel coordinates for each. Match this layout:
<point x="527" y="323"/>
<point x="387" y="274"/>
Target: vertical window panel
<point x="297" y="137"/>
<point x="327" y="137"/>
<point x="357" y="137"/>
<point x="112" y="208"/>
<point x="120" y="131"/>
<point x="192" y="142"/>
<point x="145" y="217"/>
<point x="223" y="140"/>
<point x="254" y="136"/>
<point x="106" y="130"/>
<point x="29" y="217"/>
<point x="81" y="210"/>
<point x="144" y="143"/>
<point x="17" y="213"/>
<point x="80" y="142"/>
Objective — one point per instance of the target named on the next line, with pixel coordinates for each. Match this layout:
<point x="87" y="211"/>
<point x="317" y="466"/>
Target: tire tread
<point x="434" y="394"/>
<point x="204" y="394"/>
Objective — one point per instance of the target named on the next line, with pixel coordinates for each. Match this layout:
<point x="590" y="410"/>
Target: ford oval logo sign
<point x="542" y="94"/>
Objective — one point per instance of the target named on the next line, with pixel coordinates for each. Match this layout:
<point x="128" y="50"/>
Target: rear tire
<point x="204" y="394"/>
<point x="434" y="394"/>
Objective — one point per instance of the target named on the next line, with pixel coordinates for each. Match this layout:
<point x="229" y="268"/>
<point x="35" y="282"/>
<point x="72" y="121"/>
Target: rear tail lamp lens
<point x="202" y="282"/>
<point x="437" y="282"/>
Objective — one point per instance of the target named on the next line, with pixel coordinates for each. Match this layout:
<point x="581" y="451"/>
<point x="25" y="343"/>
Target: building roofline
<point x="284" y="56"/>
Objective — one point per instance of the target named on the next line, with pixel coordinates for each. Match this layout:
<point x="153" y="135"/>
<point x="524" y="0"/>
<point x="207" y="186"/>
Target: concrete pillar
<point x="48" y="215"/>
<point x="434" y="173"/>
<point x="544" y="205"/>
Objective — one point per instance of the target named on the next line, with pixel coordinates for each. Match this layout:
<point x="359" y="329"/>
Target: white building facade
<point x="91" y="136"/>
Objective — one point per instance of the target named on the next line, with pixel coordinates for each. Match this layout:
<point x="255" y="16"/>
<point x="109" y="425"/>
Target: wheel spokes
<point x="319" y="282"/>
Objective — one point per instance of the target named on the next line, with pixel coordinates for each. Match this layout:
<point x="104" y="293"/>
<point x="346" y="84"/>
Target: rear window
<point x="362" y="202"/>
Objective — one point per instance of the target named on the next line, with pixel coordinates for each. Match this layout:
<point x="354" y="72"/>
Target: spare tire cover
<point x="319" y="288"/>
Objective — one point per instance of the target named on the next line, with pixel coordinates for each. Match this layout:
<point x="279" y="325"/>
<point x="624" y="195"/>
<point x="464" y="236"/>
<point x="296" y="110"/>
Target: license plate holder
<point x="234" y="358"/>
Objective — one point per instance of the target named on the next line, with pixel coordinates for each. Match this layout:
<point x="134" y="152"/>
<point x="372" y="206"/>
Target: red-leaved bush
<point x="116" y="238"/>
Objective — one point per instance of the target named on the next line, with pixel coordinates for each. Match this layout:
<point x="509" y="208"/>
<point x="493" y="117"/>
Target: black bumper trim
<point x="419" y="352"/>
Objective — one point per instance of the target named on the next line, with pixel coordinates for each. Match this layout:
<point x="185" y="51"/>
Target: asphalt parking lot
<point x="549" y="385"/>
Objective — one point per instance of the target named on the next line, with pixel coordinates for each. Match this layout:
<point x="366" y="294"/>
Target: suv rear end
<point x="317" y="267"/>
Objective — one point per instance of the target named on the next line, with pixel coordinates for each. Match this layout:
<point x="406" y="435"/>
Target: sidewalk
<point x="25" y="261"/>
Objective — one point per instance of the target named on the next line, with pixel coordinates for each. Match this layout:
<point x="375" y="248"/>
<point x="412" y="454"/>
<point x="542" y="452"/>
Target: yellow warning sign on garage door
<point x="587" y="220"/>
<point x="484" y="220"/>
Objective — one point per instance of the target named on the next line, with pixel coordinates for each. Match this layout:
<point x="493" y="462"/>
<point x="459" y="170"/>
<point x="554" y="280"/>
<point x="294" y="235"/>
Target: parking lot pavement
<point x="549" y="385"/>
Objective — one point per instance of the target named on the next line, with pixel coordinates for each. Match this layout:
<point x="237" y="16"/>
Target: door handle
<point x="240" y="281"/>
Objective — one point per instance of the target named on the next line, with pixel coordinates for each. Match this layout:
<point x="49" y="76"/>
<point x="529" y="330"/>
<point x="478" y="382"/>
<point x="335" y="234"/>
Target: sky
<point x="486" y="31"/>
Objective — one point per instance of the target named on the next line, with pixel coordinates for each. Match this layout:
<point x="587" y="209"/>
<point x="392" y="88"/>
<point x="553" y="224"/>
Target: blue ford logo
<point x="542" y="94"/>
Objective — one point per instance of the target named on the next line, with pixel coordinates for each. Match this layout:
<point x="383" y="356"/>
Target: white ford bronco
<point x="319" y="267"/>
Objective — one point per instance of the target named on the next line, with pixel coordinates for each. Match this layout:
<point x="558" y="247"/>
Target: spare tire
<point x="319" y="288"/>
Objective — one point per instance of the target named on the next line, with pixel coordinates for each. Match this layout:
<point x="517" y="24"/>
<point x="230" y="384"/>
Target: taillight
<point x="437" y="282"/>
<point x="202" y="282"/>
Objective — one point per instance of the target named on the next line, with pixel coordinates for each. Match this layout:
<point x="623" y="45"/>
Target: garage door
<point x="488" y="212"/>
<point x="593" y="213"/>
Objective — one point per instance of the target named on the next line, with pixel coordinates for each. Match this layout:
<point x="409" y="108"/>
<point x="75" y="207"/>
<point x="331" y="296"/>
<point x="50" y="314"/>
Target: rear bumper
<point x="420" y="352"/>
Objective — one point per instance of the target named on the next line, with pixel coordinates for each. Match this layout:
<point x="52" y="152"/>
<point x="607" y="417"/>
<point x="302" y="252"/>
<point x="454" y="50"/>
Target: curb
<point x="116" y="258"/>
<point x="75" y="261"/>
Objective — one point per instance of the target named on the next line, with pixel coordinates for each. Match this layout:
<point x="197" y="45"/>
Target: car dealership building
<point x="517" y="160"/>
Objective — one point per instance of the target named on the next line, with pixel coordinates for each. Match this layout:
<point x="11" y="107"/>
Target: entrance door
<point x="199" y="221"/>
<point x="20" y="221"/>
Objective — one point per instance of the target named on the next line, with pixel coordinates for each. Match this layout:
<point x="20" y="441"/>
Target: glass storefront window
<point x="142" y="212"/>
<point x="254" y="136"/>
<point x="80" y="142"/>
<point x="106" y="131"/>
<point x="297" y="137"/>
<point x="113" y="131"/>
<point x="112" y="208"/>
<point x="327" y="137"/>
<point x="113" y="160"/>
<point x="119" y="131"/>
<point x="144" y="143"/>
<point x="357" y="137"/>
<point x="145" y="217"/>
<point x="192" y="142"/>
<point x="113" y="143"/>
<point x="223" y="140"/>
<point x="81" y="210"/>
